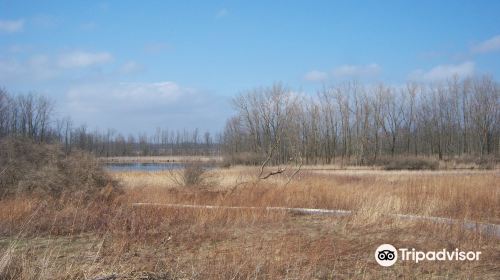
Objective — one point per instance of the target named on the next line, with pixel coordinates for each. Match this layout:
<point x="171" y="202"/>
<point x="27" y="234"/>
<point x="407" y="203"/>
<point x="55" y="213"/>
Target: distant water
<point x="120" y="167"/>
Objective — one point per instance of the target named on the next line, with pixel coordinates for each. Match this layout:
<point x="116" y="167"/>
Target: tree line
<point x="352" y="122"/>
<point x="32" y="116"/>
<point x="357" y="123"/>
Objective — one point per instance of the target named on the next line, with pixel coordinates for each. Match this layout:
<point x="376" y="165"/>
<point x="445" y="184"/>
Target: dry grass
<point x="73" y="239"/>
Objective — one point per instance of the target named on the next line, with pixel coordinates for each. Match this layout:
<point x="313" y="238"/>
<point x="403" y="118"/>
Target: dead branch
<point x="272" y="173"/>
<point x="269" y="157"/>
<point x="174" y="177"/>
<point x="295" y="173"/>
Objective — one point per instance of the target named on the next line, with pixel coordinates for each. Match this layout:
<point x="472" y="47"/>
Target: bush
<point x="479" y="162"/>
<point x="486" y="162"/>
<point x="411" y="164"/>
<point x="44" y="169"/>
<point x="244" y="158"/>
<point x="193" y="174"/>
<point x="224" y="164"/>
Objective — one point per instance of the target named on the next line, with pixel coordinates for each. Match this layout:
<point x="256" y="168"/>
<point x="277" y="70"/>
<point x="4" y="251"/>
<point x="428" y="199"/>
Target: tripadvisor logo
<point x="387" y="255"/>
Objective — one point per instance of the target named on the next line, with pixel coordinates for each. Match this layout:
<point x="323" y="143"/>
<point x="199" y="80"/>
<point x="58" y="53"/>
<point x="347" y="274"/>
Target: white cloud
<point x="316" y="76"/>
<point x="83" y="59"/>
<point x="221" y="13"/>
<point x="8" y="69"/>
<point x="126" y="95"/>
<point x="11" y="26"/>
<point x="41" y="67"/>
<point x="144" y="106"/>
<point x="345" y="71"/>
<point x="443" y="72"/>
<point x="348" y="71"/>
<point x="490" y="45"/>
<point x="36" y="68"/>
<point x="130" y="67"/>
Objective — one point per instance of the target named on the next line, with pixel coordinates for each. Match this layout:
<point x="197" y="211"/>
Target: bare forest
<point x="359" y="124"/>
<point x="348" y="123"/>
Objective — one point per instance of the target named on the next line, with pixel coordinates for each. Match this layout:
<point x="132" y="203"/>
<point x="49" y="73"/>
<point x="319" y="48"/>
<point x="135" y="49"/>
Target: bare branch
<point x="272" y="173"/>
<point x="269" y="157"/>
<point x="294" y="173"/>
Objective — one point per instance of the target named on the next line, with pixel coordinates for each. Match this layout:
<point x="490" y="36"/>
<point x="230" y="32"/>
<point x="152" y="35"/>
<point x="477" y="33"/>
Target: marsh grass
<point x="80" y="239"/>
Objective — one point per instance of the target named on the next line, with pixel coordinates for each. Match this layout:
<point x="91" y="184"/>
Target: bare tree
<point x="351" y="122"/>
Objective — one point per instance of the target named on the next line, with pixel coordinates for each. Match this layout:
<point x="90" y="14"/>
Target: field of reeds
<point x="108" y="236"/>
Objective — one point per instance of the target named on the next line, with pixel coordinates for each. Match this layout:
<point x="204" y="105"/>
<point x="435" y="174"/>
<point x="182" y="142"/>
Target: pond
<point x="123" y="167"/>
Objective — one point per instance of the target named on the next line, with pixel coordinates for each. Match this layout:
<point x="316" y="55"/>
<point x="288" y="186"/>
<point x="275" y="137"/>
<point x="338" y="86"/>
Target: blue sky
<point x="138" y="65"/>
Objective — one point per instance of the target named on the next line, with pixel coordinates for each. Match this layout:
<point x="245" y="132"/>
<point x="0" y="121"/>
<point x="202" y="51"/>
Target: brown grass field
<point x="108" y="237"/>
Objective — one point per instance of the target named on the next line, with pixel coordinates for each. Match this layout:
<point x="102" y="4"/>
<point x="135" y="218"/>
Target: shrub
<point x="486" y="162"/>
<point x="244" y="158"/>
<point x="224" y="164"/>
<point x="44" y="169"/>
<point x="412" y="164"/>
<point x="192" y="174"/>
<point x="479" y="162"/>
